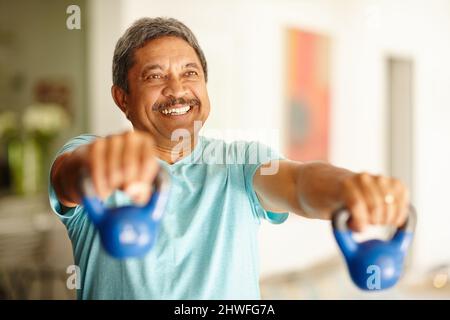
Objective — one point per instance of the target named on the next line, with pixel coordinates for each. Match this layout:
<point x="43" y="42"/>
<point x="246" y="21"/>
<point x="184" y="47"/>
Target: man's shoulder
<point x="77" y="141"/>
<point x="82" y="138"/>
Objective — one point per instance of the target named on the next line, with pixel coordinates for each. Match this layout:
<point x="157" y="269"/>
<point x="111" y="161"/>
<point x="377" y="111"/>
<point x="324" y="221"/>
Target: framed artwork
<point x="308" y="95"/>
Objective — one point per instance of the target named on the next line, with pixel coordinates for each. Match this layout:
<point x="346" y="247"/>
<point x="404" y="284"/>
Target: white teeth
<point x="177" y="111"/>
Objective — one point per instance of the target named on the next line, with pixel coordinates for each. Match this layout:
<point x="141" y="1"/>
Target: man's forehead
<point x="166" y="48"/>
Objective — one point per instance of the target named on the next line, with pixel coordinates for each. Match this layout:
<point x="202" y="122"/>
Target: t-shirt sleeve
<point x="67" y="214"/>
<point x="257" y="154"/>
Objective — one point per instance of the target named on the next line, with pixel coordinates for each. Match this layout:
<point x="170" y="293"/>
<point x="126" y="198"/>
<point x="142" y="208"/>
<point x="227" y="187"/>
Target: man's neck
<point x="173" y="151"/>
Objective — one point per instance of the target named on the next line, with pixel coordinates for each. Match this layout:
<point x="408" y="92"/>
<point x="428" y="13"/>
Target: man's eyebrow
<point x="191" y="65"/>
<point x="155" y="66"/>
<point x="151" y="67"/>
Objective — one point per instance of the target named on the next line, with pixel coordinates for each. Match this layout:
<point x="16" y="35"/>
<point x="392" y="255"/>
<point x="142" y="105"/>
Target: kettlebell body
<point x="128" y="231"/>
<point x="374" y="264"/>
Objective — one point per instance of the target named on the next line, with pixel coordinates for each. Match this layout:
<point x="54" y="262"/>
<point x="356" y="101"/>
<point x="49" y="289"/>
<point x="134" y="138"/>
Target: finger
<point x="385" y="189"/>
<point x="393" y="208"/>
<point x="130" y="159"/>
<point x="354" y="201"/>
<point x="139" y="192"/>
<point x="402" y="200"/>
<point x="97" y="167"/>
<point x="148" y="162"/>
<point x="372" y="196"/>
<point x="113" y="162"/>
<point x="404" y="211"/>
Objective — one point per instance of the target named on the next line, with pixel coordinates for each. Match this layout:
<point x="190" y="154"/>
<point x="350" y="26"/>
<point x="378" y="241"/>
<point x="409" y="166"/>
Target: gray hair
<point x="138" y="34"/>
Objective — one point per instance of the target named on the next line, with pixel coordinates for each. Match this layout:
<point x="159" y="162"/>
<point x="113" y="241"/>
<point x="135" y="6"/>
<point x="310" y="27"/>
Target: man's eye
<point x="154" y="77"/>
<point x="191" y="73"/>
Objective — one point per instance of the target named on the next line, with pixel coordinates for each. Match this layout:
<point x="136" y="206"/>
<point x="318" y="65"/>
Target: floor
<point x="330" y="280"/>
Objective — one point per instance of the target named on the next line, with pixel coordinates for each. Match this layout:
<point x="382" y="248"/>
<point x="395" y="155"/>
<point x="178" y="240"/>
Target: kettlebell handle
<point x="341" y="216"/>
<point x="402" y="237"/>
<point x="156" y="203"/>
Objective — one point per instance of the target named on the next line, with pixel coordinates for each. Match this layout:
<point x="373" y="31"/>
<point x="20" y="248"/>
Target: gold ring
<point x="389" y="199"/>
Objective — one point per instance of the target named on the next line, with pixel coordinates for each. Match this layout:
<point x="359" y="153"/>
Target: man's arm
<point x="316" y="189"/>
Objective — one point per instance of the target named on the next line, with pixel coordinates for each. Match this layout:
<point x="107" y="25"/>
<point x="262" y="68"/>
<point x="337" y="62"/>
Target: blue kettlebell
<point x="374" y="264"/>
<point x="127" y="231"/>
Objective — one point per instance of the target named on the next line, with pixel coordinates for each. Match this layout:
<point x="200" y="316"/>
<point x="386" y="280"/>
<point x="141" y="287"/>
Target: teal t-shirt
<point x="206" y="247"/>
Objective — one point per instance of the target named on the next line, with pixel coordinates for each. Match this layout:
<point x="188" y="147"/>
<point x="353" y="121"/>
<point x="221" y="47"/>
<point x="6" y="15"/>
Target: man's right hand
<point x="124" y="161"/>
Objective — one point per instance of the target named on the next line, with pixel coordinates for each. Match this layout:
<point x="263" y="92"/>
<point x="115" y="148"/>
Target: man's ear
<point x="120" y="98"/>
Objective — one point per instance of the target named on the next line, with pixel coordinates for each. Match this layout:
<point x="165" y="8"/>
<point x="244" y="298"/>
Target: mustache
<point x="158" y="106"/>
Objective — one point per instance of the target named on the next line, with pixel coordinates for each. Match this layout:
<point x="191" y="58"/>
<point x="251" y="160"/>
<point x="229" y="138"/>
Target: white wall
<point x="243" y="43"/>
<point x="420" y="30"/>
<point x="105" y="25"/>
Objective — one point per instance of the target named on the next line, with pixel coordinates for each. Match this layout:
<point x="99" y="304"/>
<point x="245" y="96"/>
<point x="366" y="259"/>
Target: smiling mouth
<point x="184" y="109"/>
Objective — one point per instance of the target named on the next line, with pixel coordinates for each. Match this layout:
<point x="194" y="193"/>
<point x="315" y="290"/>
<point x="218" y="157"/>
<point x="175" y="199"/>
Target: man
<point x="206" y="246"/>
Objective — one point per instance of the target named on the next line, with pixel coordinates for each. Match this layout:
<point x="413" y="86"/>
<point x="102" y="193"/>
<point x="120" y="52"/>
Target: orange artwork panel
<point x="308" y="107"/>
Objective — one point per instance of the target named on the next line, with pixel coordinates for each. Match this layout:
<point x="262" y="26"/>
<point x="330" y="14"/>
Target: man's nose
<point x="174" y="88"/>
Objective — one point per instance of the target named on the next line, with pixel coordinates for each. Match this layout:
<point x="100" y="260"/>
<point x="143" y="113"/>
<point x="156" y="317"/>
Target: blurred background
<point x="360" y="83"/>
